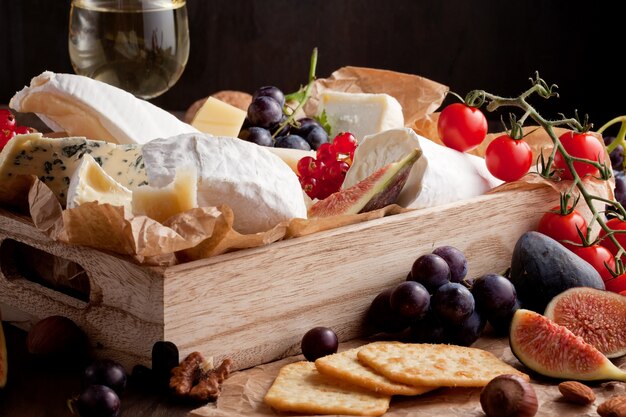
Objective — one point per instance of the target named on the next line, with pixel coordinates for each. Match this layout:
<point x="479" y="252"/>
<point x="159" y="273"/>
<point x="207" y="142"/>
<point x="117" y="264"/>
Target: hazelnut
<point x="56" y="336"/>
<point x="509" y="396"/>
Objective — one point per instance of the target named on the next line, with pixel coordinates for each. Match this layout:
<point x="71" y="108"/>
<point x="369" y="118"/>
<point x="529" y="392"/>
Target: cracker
<point x="434" y="365"/>
<point x="346" y="367"/>
<point x="300" y="388"/>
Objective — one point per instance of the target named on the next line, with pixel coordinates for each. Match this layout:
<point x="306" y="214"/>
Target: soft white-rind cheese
<point x="91" y="183"/>
<point x="361" y="114"/>
<point x="81" y="106"/>
<point x="442" y="175"/>
<point x="258" y="186"/>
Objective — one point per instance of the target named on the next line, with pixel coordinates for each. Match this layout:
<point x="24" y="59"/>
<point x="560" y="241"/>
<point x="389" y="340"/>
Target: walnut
<point x="195" y="378"/>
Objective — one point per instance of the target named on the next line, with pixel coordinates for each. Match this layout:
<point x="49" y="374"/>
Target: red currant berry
<point x="309" y="186"/>
<point x="338" y="170"/>
<point x="307" y="166"/>
<point x="326" y="153"/>
<point x="22" y="130"/>
<point x="7" y="121"/>
<point x="345" y="143"/>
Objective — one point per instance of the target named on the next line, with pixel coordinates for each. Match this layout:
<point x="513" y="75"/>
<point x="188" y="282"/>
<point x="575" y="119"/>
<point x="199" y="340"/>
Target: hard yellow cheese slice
<point x="219" y="119"/>
<point x="91" y="183"/>
<point x="162" y="203"/>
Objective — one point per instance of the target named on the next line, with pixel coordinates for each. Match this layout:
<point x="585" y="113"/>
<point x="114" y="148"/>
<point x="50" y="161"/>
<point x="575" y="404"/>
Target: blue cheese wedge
<point x="54" y="161"/>
<point x="258" y="186"/>
<point x="442" y="175"/>
<point x="361" y="114"/>
<point x="85" y="107"/>
<point x="90" y="183"/>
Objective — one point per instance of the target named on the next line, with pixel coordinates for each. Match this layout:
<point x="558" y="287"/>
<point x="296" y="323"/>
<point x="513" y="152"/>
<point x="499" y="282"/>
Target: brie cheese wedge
<point x="162" y="203"/>
<point x="257" y="185"/>
<point x="81" y="106"/>
<point x="442" y="175"/>
<point x="90" y="183"/>
<point x="361" y="114"/>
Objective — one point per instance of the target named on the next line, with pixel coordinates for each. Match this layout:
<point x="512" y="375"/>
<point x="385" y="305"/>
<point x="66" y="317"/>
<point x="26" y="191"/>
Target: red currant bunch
<point x="323" y="175"/>
<point x="9" y="127"/>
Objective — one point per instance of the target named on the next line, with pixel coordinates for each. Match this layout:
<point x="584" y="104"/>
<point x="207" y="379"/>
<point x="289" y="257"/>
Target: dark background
<point x="243" y="44"/>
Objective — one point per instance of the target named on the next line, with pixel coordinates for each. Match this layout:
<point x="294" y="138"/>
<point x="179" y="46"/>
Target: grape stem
<point x="302" y="96"/>
<point x="539" y="87"/>
<point x="620" y="139"/>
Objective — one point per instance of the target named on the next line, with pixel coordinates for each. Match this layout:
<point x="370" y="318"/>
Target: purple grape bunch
<point x="439" y="303"/>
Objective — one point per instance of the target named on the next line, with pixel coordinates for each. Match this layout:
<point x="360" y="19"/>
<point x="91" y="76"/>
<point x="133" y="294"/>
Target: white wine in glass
<point x="141" y="46"/>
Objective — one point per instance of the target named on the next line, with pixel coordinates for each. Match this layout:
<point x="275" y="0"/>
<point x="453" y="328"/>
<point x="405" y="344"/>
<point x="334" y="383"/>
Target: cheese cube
<point x="90" y="183"/>
<point x="219" y="119"/>
<point x="360" y="114"/>
<point x="162" y="203"/>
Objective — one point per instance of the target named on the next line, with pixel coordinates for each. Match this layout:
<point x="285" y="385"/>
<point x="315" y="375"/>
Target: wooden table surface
<point x="42" y="390"/>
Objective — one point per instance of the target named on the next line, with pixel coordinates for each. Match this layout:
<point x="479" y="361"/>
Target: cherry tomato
<point x="597" y="256"/>
<point x="562" y="228"/>
<point x="462" y="127"/>
<point x="614" y="224"/>
<point x="617" y="284"/>
<point x="580" y="145"/>
<point x="508" y="159"/>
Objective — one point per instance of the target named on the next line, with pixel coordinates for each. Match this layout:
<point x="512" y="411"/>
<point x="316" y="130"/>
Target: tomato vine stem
<point x="541" y="88"/>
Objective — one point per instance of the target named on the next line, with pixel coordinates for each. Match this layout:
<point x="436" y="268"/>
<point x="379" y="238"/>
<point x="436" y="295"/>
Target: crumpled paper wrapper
<point x="205" y="232"/>
<point x="242" y="393"/>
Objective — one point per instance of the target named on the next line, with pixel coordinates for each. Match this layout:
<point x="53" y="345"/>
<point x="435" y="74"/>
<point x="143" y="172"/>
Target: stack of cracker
<point x="362" y="381"/>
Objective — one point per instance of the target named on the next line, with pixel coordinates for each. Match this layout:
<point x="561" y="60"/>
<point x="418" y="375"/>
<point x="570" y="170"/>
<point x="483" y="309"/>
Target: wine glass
<point x="141" y="46"/>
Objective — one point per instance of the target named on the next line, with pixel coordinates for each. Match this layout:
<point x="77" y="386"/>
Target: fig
<point x="376" y="191"/>
<point x="3" y="358"/>
<point x="542" y="268"/>
<point x="599" y="317"/>
<point x="551" y="350"/>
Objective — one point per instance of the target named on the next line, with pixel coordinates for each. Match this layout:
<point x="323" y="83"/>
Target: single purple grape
<point x="98" y="401"/>
<point x="270" y="91"/>
<point x="105" y="372"/>
<point x="456" y="261"/>
<point x="319" y="342"/>
<point x="410" y="300"/>
<point x="432" y="271"/>
<point x="453" y="303"/>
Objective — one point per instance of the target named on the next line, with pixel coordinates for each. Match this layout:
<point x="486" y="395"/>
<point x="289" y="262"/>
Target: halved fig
<point x="599" y="317"/>
<point x="552" y="350"/>
<point x="375" y="192"/>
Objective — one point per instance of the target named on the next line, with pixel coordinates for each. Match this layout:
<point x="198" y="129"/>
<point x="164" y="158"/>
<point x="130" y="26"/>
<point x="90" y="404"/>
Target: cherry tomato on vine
<point x="617" y="284"/>
<point x="563" y="227"/>
<point x="596" y="256"/>
<point x="614" y="224"/>
<point x="579" y="145"/>
<point x="508" y="159"/>
<point x="462" y="127"/>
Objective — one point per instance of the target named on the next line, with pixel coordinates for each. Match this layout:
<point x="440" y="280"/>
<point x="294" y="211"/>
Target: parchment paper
<point x="243" y="392"/>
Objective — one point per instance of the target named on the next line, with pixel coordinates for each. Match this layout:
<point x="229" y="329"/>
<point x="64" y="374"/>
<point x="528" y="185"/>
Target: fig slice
<point x="552" y="350"/>
<point x="599" y="317"/>
<point x="375" y="192"/>
<point x="3" y="358"/>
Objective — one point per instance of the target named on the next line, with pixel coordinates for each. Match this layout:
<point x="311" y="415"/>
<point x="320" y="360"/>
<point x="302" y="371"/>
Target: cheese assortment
<point x="54" y="161"/>
<point x="91" y="183"/>
<point x="361" y="114"/>
<point x="81" y="106"/>
<point x="260" y="189"/>
<point x="218" y="118"/>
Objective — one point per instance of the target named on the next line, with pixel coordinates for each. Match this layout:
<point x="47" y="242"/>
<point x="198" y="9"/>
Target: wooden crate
<point x="254" y="305"/>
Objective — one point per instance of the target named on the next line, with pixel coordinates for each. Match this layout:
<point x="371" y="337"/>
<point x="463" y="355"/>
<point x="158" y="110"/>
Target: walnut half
<point x="195" y="378"/>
